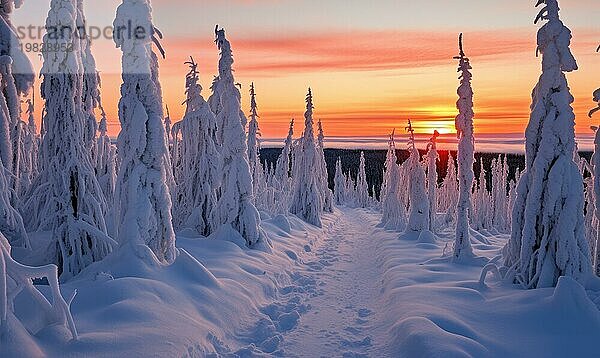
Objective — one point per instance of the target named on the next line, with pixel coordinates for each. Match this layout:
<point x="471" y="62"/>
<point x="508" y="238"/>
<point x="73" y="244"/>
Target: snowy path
<point x="342" y="314"/>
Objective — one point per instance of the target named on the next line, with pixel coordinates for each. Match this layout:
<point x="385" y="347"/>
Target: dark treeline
<point x="375" y="160"/>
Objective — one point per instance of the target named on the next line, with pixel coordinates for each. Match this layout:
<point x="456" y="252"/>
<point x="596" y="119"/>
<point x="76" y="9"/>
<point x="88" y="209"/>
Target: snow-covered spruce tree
<point x="235" y="206"/>
<point x="418" y="217"/>
<point x="168" y="128"/>
<point x="66" y="198"/>
<point x="350" y="192"/>
<point x="596" y="187"/>
<point x="393" y="209"/>
<point x="11" y="222"/>
<point x="499" y="194"/>
<point x="432" y="178"/>
<point x="256" y="168"/>
<point x="106" y="170"/>
<point x="326" y="193"/>
<point x="31" y="142"/>
<point x="91" y="79"/>
<point x="362" y="188"/>
<point x="448" y="197"/>
<point x="390" y="162"/>
<point x="547" y="239"/>
<point x="283" y="167"/>
<point x="466" y="157"/>
<point x="481" y="213"/>
<point x="142" y="197"/>
<point x="339" y="182"/>
<point x="306" y="201"/>
<point x="199" y="172"/>
<point x="17" y="80"/>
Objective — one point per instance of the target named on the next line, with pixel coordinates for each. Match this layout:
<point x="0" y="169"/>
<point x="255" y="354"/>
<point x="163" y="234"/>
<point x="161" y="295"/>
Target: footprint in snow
<point x="363" y="313"/>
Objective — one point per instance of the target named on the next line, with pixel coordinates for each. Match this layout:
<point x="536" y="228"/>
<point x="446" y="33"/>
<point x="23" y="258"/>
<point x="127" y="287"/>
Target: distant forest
<point x="375" y="160"/>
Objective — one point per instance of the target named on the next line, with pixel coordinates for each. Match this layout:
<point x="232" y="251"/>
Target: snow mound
<point x="420" y="337"/>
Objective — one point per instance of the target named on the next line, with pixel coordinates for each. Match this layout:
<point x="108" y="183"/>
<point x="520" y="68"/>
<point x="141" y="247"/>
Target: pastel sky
<point x="371" y="64"/>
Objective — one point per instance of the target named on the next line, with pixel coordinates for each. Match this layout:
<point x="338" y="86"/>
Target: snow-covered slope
<point x="349" y="289"/>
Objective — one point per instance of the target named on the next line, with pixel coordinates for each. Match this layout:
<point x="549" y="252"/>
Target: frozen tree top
<point x="554" y="33"/>
<point x="135" y="33"/>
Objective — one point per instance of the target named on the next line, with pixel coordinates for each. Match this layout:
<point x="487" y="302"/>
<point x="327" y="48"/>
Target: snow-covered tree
<point x="548" y="233"/>
<point x="448" y="196"/>
<point x="17" y="77"/>
<point x="66" y="198"/>
<point x="432" y="178"/>
<point x="393" y="209"/>
<point x="339" y="182"/>
<point x="283" y="167"/>
<point x="362" y="188"/>
<point x="142" y="197"/>
<point x="322" y="171"/>
<point x="11" y="222"/>
<point x="307" y="201"/>
<point x="390" y="162"/>
<point x="418" y="217"/>
<point x="106" y="161"/>
<point x="168" y="128"/>
<point x="350" y="192"/>
<point x="256" y="168"/>
<point x="481" y="202"/>
<point x="466" y="156"/>
<point x="235" y="206"/>
<point x="596" y="188"/>
<point x="198" y="175"/>
<point x="499" y="194"/>
<point x="31" y="143"/>
<point x="91" y="80"/>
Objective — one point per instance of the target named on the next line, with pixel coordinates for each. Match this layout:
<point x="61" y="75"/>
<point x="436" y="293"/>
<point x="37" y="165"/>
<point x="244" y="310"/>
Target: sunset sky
<point x="371" y="65"/>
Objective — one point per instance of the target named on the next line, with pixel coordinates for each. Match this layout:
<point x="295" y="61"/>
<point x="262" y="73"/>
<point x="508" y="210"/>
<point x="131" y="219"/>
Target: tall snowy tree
<point x="106" y="160"/>
<point x="199" y="174"/>
<point x="17" y="80"/>
<point x="466" y="156"/>
<point x="432" y="178"/>
<point x="548" y="239"/>
<point x="256" y="168"/>
<point x="448" y="197"/>
<point x="306" y="201"/>
<point x="418" y="217"/>
<point x="390" y="162"/>
<point x="66" y="198"/>
<point x="596" y="187"/>
<point x="142" y="197"/>
<point x="31" y="143"/>
<point x="393" y="209"/>
<point x="91" y="79"/>
<point x="323" y="175"/>
<point x="339" y="182"/>
<point x="283" y="167"/>
<point x="362" y="188"/>
<point x="235" y="206"/>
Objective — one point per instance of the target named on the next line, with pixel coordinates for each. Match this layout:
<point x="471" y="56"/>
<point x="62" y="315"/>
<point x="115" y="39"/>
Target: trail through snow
<point x="342" y="316"/>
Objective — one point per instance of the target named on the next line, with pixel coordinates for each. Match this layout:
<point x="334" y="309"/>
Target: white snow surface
<point x="350" y="289"/>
